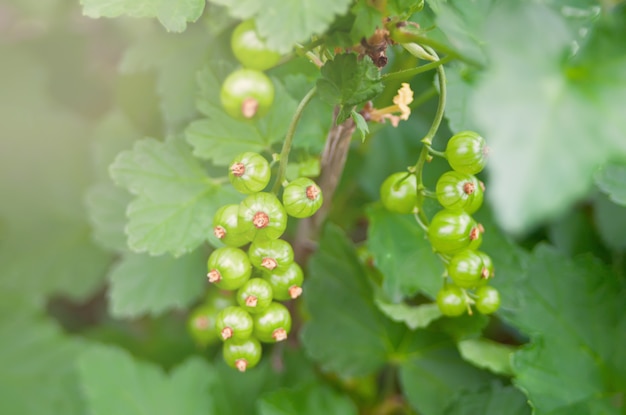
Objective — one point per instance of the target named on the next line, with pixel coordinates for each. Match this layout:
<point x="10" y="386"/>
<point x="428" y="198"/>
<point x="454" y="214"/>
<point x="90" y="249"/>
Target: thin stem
<point x="436" y="152"/>
<point x="441" y="75"/>
<point x="410" y="73"/>
<point x="284" y="153"/>
<point x="429" y="194"/>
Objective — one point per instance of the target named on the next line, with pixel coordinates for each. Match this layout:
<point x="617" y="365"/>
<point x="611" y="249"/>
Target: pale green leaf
<point x="141" y="284"/>
<point x="493" y="399"/>
<point x="173" y="14"/>
<point x="283" y="23"/>
<point x="413" y="316"/>
<point x="114" y="382"/>
<point x="487" y="354"/>
<point x="176" y="199"/>
<point x="313" y="399"/>
<point x="548" y="125"/>
<point x="610" y="220"/>
<point x="611" y="179"/>
<point x="402" y="253"/>
<point x="106" y="207"/>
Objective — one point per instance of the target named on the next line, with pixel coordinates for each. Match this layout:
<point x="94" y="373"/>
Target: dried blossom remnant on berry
<point x="261" y="220"/>
<point x="279" y="334"/>
<point x="241" y="365"/>
<point x="214" y="276"/>
<point x="251" y="301"/>
<point x="227" y="333"/>
<point x="401" y="102"/>
<point x="219" y="232"/>
<point x="312" y="192"/>
<point x="249" y="107"/>
<point x="269" y="263"/>
<point x="238" y="169"/>
<point x="469" y="188"/>
<point x="295" y="292"/>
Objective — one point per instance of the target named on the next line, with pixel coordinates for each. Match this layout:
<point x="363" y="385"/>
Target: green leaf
<point x="141" y="284"/>
<point x="415" y="317"/>
<point x="437" y="373"/>
<point x="115" y="383"/>
<point x="313" y="399"/>
<point x="361" y="124"/>
<point x="283" y="23"/>
<point x="611" y="180"/>
<point x="402" y="253"/>
<point x="37" y="377"/>
<point x="460" y="85"/>
<point x="610" y="220"/>
<point x="106" y="207"/>
<point x="220" y="137"/>
<point x="173" y="14"/>
<point x="487" y="354"/>
<point x="348" y="81"/>
<point x="367" y="19"/>
<point x="175" y="59"/>
<point x="573" y="312"/>
<point x="493" y="399"/>
<point x="176" y="200"/>
<point x="572" y="106"/>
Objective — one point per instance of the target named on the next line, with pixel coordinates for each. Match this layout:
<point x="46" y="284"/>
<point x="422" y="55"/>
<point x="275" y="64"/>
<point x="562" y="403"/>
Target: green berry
<point x="242" y="354"/>
<point x="487" y="299"/>
<point x="273" y="324"/>
<point x="398" y="192"/>
<point x="229" y="268"/>
<point x="255" y="295"/>
<point x="451" y="301"/>
<point x="250" y="49"/>
<point x="459" y="191"/>
<point x="467" y="152"/>
<point x="233" y="322"/>
<point x="286" y="284"/>
<point x="201" y="325"/>
<point x="247" y="94"/>
<point x="262" y="217"/>
<point x="270" y="255"/>
<point x="469" y="268"/>
<point x="451" y="232"/>
<point x="302" y="198"/>
<point x="249" y="172"/>
<point x="225" y="226"/>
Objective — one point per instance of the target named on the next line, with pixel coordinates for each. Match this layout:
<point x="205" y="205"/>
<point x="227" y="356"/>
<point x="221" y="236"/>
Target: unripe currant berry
<point x="247" y="94"/>
<point x="250" y="49"/>
<point x="255" y="295"/>
<point x="467" y="152"/>
<point x="229" y="268"/>
<point x="451" y="301"/>
<point x="451" y="232"/>
<point x="242" y="354"/>
<point x="459" y="191"/>
<point x="286" y="284"/>
<point x="225" y="226"/>
<point x="487" y="299"/>
<point x="469" y="268"/>
<point x="249" y="172"/>
<point x="302" y="198"/>
<point x="233" y="322"/>
<point x="273" y="324"/>
<point x="398" y="192"/>
<point x="270" y="255"/>
<point x="201" y="325"/>
<point x="262" y="217"/>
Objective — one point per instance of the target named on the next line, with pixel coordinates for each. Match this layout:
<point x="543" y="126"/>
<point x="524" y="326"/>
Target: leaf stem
<point x="410" y="73"/>
<point x="284" y="153"/>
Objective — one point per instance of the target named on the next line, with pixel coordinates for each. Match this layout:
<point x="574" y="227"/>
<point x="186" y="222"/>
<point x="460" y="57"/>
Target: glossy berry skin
<point x="287" y="284"/>
<point x="225" y="226"/>
<point x="262" y="217"/>
<point x="459" y="191"/>
<point x="467" y="152"/>
<point x="302" y="198"/>
<point x="233" y="322"/>
<point x="229" y="268"/>
<point x="273" y="324"/>
<point x="247" y="94"/>
<point x="452" y="232"/>
<point x="242" y="354"/>
<point x="398" y="193"/>
<point x="451" y="301"/>
<point x="255" y="295"/>
<point x="487" y="299"/>
<point x="469" y="268"/>
<point x="201" y="325"/>
<point x="271" y="255"/>
<point x="250" y="49"/>
<point x="249" y="172"/>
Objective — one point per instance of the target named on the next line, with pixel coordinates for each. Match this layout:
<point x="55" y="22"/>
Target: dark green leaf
<point x="173" y="14"/>
<point x="493" y="399"/>
<point x="573" y="312"/>
<point x="361" y="124"/>
<point x="141" y="284"/>
<point x="313" y="399"/>
<point x="610" y="219"/>
<point x="283" y="23"/>
<point x="611" y="179"/>
<point x="415" y="317"/>
<point x="115" y="383"/>
<point x="348" y="81"/>
<point x="176" y="199"/>
<point x="403" y="255"/>
<point x="487" y="354"/>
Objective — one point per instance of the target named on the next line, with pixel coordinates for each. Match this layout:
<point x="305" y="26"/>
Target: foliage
<point x="115" y="156"/>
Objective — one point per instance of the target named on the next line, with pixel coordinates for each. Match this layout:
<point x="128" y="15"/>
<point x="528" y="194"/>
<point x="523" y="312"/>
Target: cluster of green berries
<point x="254" y="263"/>
<point x="452" y="231"/>
<point x="247" y="93"/>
